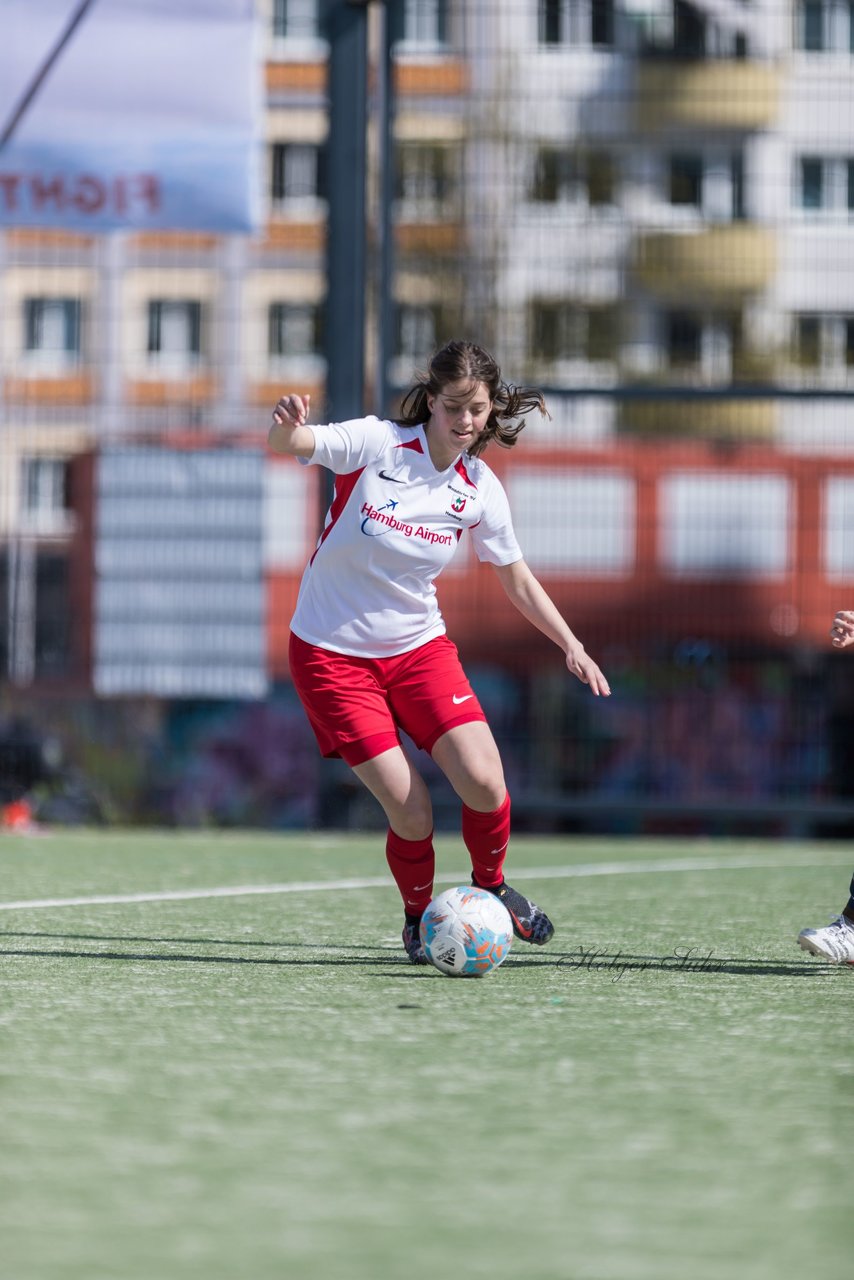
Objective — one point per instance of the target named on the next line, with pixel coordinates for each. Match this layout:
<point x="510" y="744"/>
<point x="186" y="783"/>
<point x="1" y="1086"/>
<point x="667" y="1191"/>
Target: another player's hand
<point x="842" y="631"/>
<point x="580" y="663"/>
<point x="292" y="411"/>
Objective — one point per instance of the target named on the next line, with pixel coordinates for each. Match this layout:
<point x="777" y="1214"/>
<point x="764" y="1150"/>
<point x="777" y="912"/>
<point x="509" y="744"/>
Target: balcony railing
<point x="720" y="263"/>
<point x="717" y="94"/>
<point x="745" y="421"/>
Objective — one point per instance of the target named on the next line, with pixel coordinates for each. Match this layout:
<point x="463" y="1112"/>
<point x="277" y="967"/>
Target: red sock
<point x="486" y="837"/>
<point x="412" y="863"/>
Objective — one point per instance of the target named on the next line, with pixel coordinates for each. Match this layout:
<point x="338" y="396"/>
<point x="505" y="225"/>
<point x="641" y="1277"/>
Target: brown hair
<point x="457" y="361"/>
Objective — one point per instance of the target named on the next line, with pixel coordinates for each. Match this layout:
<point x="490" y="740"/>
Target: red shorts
<point x="357" y="706"/>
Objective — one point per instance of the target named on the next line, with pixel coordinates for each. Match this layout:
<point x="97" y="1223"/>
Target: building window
<point x="175" y="331"/>
<point x="295" y="330"/>
<point x="561" y="330"/>
<point x="710" y="344"/>
<point x="556" y="331"/>
<point x="52" y="330"/>
<point x="295" y="19"/>
<point x="808" y="342"/>
<point x="712" y="183"/>
<point x="689" y="30"/>
<point x="824" y="343"/>
<point x="553" y="21"/>
<point x="37" y="642"/>
<point x="811" y="26"/>
<point x="552" y="333"/>
<point x="600" y="177"/>
<point x="812" y="183"/>
<point x="684" y="340"/>
<point x="739" y="204"/>
<point x="576" y="22"/>
<point x="601" y="23"/>
<point x="825" y="184"/>
<point x="825" y="26"/>
<point x="54" y="613"/>
<point x="425" y="22"/>
<point x="418" y="330"/>
<point x="426" y="181"/>
<point x="555" y="177"/>
<point x="568" y="177"/>
<point x="298" y="174"/>
<point x="44" y="495"/>
<point x="685" y="181"/>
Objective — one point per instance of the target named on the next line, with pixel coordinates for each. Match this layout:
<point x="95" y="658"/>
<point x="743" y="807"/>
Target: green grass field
<point x="215" y="1061"/>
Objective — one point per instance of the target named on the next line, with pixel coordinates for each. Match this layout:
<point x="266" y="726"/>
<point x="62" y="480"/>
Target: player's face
<point x="458" y="416"/>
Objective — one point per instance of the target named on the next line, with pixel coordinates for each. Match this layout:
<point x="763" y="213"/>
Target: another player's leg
<point x="391" y="778"/>
<point x="835" y="942"/>
<point x="469" y="757"/>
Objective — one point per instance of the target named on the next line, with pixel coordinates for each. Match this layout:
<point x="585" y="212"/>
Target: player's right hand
<point x="292" y="411"/>
<point x="842" y="631"/>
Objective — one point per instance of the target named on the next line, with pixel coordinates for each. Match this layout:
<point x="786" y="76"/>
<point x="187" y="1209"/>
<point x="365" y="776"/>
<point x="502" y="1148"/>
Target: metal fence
<point x="646" y="210"/>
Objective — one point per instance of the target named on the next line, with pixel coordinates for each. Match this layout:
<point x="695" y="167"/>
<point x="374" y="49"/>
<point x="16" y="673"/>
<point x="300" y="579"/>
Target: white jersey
<point x="393" y="525"/>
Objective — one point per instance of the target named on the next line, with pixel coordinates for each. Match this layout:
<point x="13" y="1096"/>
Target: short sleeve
<point x="493" y="536"/>
<point x="346" y="446"/>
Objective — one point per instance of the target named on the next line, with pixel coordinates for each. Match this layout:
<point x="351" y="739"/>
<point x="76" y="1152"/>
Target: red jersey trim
<point x="344" y="486"/>
<point x="460" y="468"/>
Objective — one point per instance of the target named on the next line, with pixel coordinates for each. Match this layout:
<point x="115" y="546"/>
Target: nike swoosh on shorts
<point x="465" y="698"/>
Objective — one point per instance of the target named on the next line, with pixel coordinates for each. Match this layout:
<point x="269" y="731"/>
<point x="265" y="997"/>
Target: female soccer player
<point x="368" y="651"/>
<point x="835" y="942"/>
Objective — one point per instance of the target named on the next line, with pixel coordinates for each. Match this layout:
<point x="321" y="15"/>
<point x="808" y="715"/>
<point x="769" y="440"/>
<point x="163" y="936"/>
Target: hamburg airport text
<point x="410" y="531"/>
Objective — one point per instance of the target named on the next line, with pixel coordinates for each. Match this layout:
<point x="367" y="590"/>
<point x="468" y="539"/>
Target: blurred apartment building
<point x="640" y="192"/>
<point x="677" y="195"/>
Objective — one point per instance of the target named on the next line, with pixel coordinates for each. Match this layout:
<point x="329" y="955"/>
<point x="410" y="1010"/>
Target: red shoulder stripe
<point x="344" y="486"/>
<point x="459" y="467"/>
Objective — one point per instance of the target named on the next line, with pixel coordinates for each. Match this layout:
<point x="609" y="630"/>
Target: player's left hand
<point x="582" y="666"/>
<point x="842" y="631"/>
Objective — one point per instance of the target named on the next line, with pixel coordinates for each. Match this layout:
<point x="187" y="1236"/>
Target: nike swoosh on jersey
<point x="393" y="479"/>
<point x="465" y="698"/>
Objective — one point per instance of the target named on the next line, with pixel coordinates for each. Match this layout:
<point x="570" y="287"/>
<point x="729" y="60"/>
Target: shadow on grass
<point x="180" y="942"/>
<point x="617" y="963"/>
<point x="167" y="958"/>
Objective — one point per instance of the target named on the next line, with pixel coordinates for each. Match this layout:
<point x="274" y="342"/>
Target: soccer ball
<point x="466" y="932"/>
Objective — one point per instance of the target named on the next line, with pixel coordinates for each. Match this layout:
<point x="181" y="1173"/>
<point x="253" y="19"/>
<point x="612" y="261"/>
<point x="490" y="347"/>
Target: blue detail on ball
<point x="466" y="932"/>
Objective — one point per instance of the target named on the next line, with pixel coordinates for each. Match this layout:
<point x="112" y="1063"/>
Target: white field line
<point x="582" y="869"/>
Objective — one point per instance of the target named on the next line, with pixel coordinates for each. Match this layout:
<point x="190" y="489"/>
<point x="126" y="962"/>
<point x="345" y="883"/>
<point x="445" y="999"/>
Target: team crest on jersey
<point x="458" y="503"/>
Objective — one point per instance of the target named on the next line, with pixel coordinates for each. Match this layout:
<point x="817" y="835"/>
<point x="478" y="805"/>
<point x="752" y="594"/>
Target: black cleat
<point x="412" y="942"/>
<point x="530" y="922"/>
